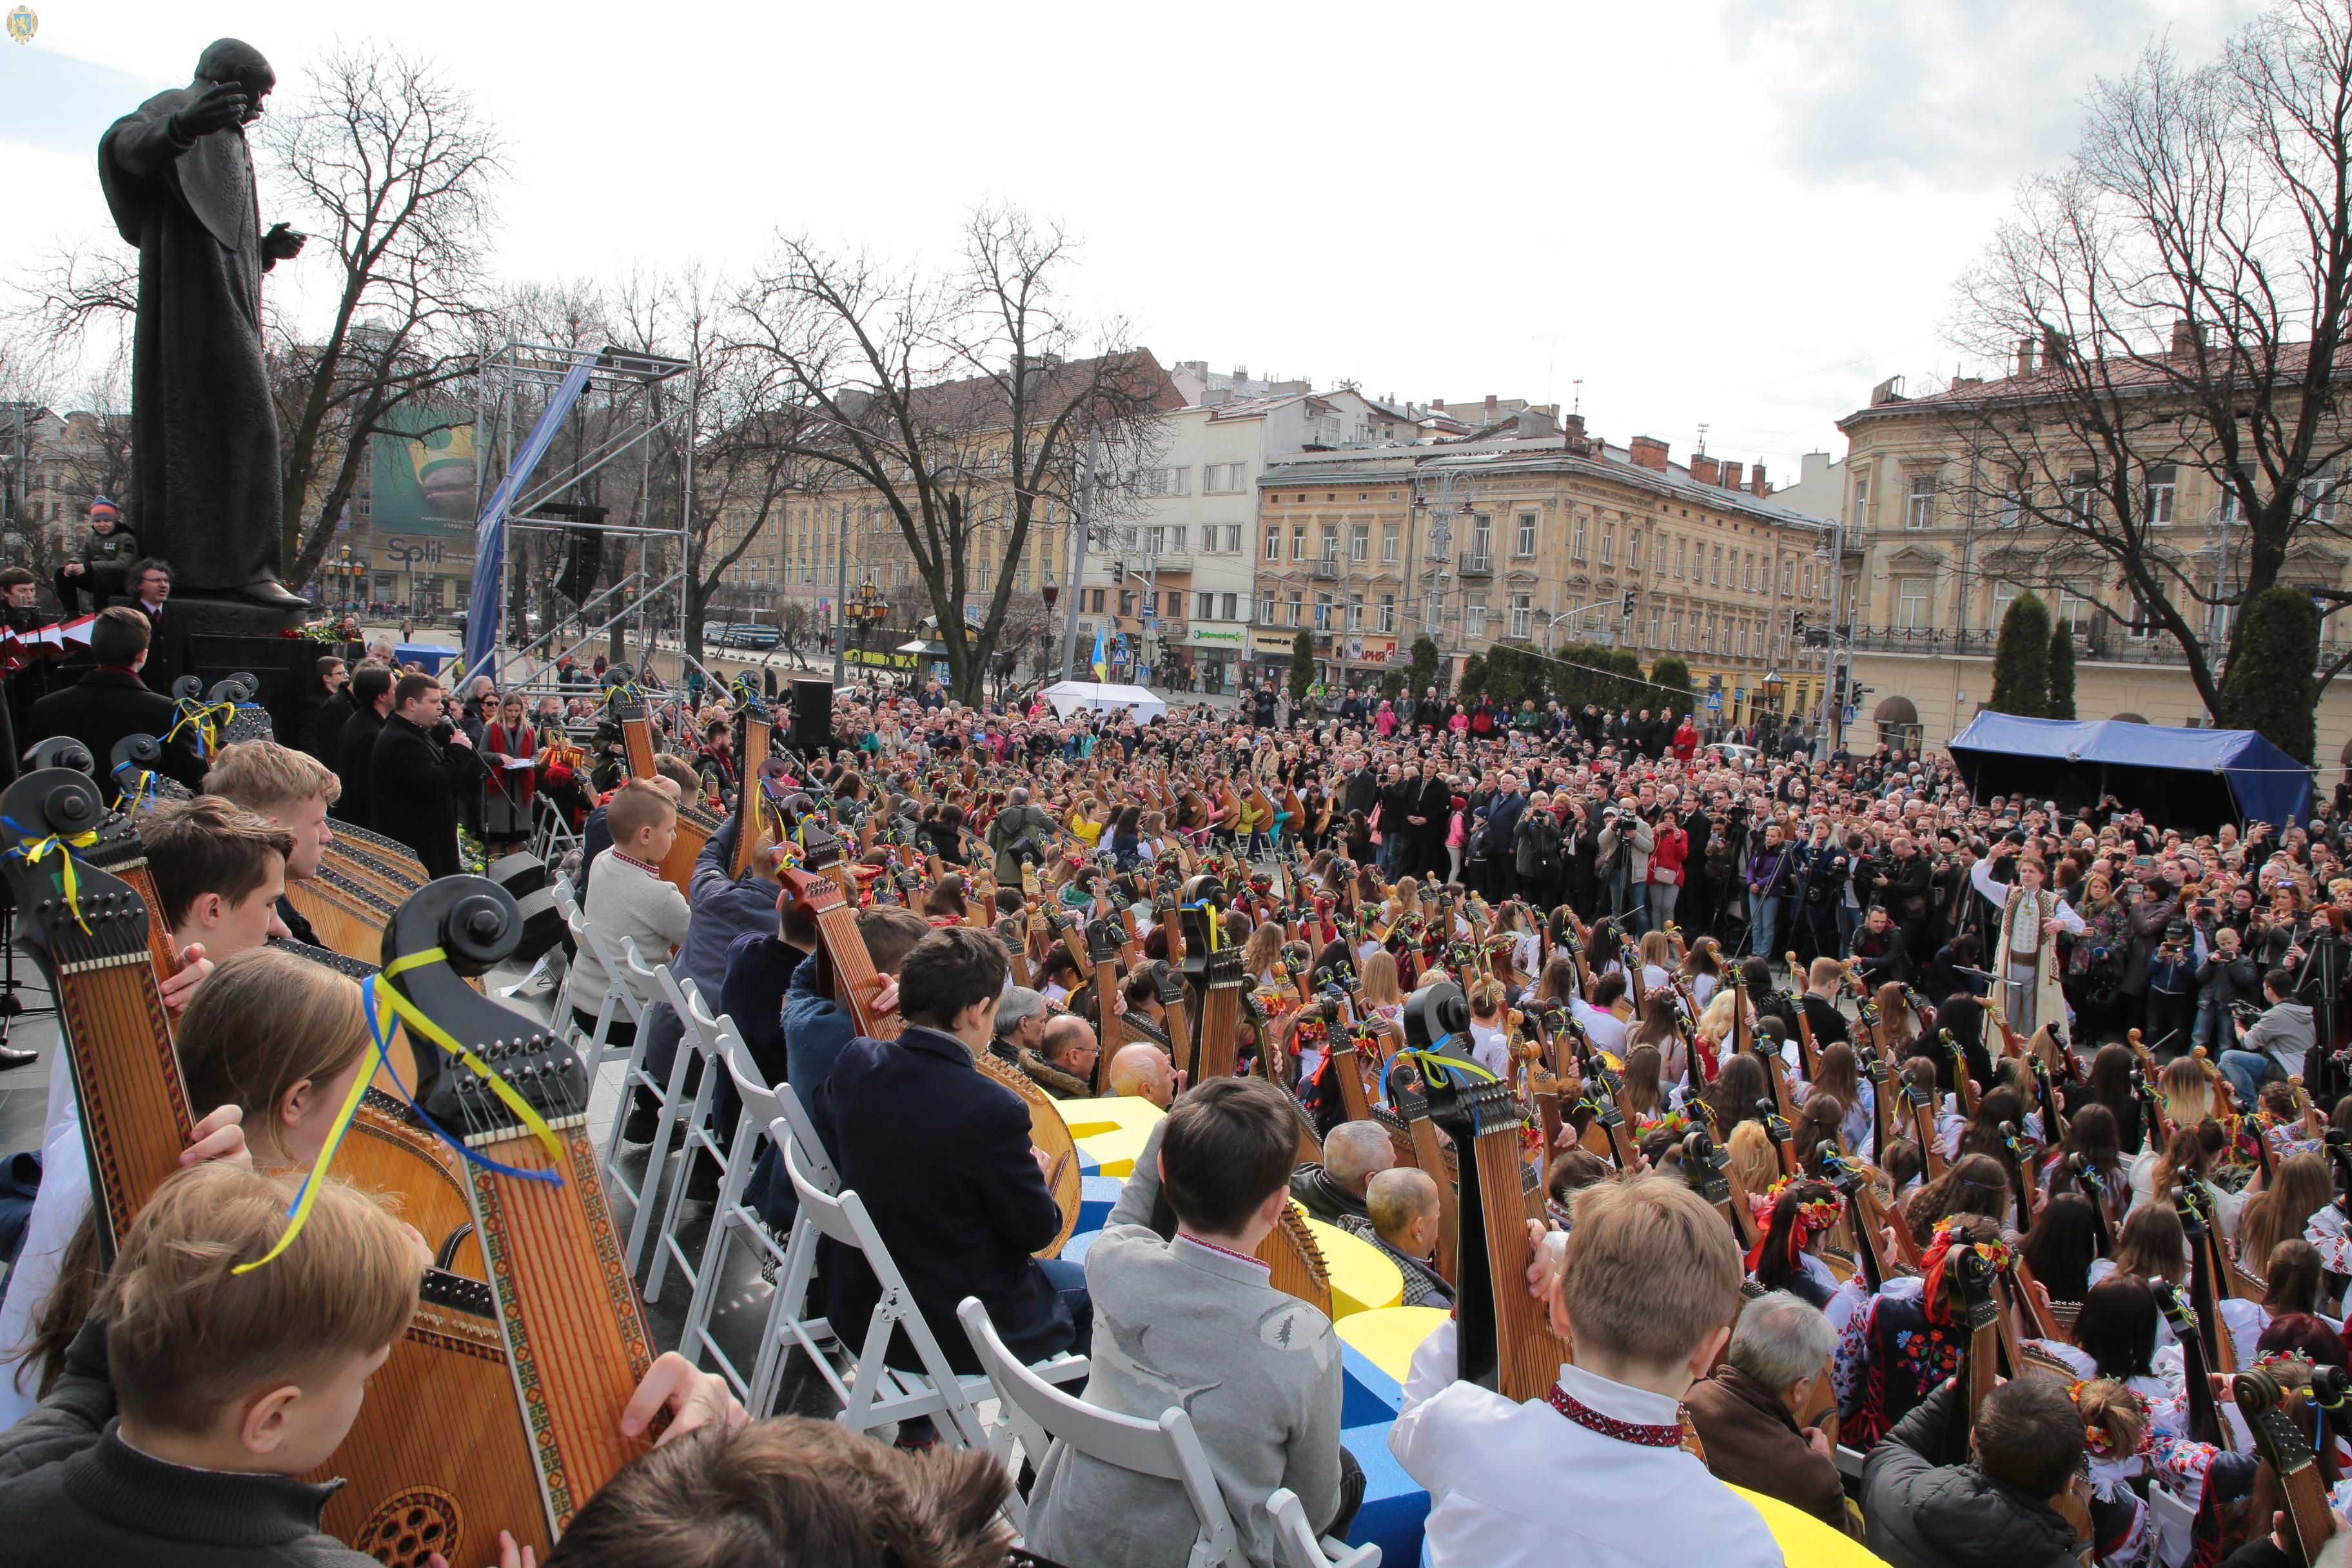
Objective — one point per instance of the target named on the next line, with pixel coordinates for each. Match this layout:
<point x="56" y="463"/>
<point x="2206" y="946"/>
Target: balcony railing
<point x="1325" y="569"/>
<point x="1477" y="565"/>
<point x="2107" y="647"/>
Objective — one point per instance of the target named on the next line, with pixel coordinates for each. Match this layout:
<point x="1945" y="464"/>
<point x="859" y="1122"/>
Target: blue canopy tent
<point x="2179" y="777"/>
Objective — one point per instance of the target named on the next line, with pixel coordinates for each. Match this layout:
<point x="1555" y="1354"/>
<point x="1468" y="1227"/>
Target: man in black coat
<point x="111" y="702"/>
<point x="415" y="778"/>
<point x="322" y="737"/>
<point x="354" y="764"/>
<point x="1361" y="791"/>
<point x="170" y="650"/>
<point x="1435" y="811"/>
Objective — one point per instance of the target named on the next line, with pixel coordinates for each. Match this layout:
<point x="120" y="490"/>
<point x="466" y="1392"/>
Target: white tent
<point x="1069" y="697"/>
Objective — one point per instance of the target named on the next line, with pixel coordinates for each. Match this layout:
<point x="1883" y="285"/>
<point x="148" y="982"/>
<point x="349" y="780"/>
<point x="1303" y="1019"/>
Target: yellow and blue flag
<point x="1102" y="657"/>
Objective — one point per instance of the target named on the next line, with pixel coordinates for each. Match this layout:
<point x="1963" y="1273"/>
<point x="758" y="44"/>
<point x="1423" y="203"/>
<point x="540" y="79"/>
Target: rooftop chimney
<point x="2056" y="348"/>
<point x="1572" y="428"/>
<point x="1702" y="467"/>
<point x="1757" y="485"/>
<point x="2185" y="339"/>
<point x="2026" y="356"/>
<point x="1648" y="452"/>
<point x="1731" y="474"/>
<point x="1489" y="410"/>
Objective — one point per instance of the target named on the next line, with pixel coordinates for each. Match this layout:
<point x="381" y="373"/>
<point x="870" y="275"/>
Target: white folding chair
<point x="617" y="1003"/>
<point x="698" y="1043"/>
<point x="1295" y="1542"/>
<point x="1036" y="1412"/>
<point x="644" y="982"/>
<point x="2174" y="1523"/>
<point x="551" y="835"/>
<point x="878" y="1393"/>
<point x="794" y="1135"/>
<point x="754" y="1131"/>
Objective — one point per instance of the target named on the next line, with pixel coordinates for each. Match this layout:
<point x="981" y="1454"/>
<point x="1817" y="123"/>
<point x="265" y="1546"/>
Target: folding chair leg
<point x="691" y="1150"/>
<point x="657" y="1155"/>
<point x="792" y="1282"/>
<point x="724" y="1222"/>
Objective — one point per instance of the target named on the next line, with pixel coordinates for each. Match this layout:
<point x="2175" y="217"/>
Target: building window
<point x="1360" y="543"/>
<point x="1526" y="545"/>
<point x="1919" y="507"/>
<point x="1675" y="627"/>
<point x="1126" y="601"/>
<point x="1911" y="605"/>
<point x="1576" y="540"/>
<point x="2083" y="494"/>
<point x="1657" y="616"/>
<point x="1274" y="544"/>
<point x="1862" y="503"/>
<point x="1482" y="534"/>
<point x="2012" y="502"/>
<point x="1265" y="606"/>
<point x="1298" y="541"/>
<point x="1355" y="611"/>
<point x="1388" y="613"/>
<point x="1633" y="551"/>
<point x="2319" y="494"/>
<point x="1097" y="605"/>
<point x="2163" y="481"/>
<point x="1788" y="579"/>
<point x="1389" y="546"/>
<point x="1297" y="601"/>
<point x="1523" y="615"/>
<point x="1715" y="568"/>
<point x="1679" y="543"/>
<point x="1473" y="617"/>
<point x="1607" y="546"/>
<point x="2003" y="595"/>
<point x="1322" y="612"/>
<point x="1208" y="607"/>
<point x="1232" y="607"/>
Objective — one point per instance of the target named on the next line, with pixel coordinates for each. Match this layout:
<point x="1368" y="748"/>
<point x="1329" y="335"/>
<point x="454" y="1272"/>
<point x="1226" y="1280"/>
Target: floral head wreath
<point x="2097" y="1442"/>
<point x="1811" y="1217"/>
<point x="1938" y="1252"/>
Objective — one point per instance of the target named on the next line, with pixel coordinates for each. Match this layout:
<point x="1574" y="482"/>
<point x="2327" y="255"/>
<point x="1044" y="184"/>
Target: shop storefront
<point x="1215" y="651"/>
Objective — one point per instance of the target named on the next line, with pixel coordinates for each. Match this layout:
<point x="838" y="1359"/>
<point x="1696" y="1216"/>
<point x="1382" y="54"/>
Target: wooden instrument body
<point x="846" y="972"/>
<point x="501" y="1407"/>
<point x="1048" y="1131"/>
<point x="2279" y="1437"/>
<point x="97" y="950"/>
<point x="1504" y="1337"/>
<point x="753" y="816"/>
<point x="1220" y="1014"/>
<point x="1294" y="1263"/>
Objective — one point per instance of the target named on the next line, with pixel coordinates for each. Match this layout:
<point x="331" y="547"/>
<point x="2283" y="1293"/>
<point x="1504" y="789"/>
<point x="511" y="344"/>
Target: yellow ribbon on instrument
<point x="418" y="1023"/>
<point x="210" y="722"/>
<point x="33" y="850"/>
<point x="299" y="1215"/>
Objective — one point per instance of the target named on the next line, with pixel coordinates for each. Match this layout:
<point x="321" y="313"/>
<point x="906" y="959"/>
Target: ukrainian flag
<point x="1102" y="657"/>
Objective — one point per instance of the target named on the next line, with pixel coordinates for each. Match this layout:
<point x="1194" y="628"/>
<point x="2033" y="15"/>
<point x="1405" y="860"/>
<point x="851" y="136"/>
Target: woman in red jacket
<point x="1685" y="739"/>
<point x="1670" y="844"/>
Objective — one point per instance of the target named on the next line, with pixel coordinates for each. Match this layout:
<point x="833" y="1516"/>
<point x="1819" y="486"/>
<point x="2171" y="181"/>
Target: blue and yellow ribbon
<point x="210" y="722"/>
<point x="32" y="850"/>
<point x="139" y="793"/>
<point x="377" y="999"/>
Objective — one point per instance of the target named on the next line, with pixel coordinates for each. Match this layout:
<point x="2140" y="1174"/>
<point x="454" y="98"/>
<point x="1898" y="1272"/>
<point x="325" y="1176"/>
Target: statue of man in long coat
<point x="206" y="490"/>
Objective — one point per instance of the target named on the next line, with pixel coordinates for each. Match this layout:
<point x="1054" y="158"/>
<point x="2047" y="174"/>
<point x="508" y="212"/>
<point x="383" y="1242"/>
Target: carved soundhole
<point x="409" y="1528"/>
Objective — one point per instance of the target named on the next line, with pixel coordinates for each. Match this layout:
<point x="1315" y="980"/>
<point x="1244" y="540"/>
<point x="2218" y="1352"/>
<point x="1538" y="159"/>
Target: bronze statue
<point x="206" y="491"/>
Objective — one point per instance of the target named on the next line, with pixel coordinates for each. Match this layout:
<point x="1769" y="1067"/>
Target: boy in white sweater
<point x="628" y="897"/>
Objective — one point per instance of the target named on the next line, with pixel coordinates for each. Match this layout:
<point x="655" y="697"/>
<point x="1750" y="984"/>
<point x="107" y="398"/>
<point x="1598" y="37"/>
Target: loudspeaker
<point x="811" y="729"/>
<point x="583" y="549"/>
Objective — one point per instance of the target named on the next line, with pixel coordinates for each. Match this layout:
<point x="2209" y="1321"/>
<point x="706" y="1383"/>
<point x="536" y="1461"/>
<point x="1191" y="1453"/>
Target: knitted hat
<point x="101" y="507"/>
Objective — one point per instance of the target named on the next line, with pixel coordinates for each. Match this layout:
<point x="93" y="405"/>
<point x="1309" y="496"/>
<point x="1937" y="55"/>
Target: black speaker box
<point x="811" y="729"/>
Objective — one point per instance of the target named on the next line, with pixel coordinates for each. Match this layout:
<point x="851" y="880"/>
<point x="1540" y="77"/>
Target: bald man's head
<point x="1399" y="1200"/>
<point x="1354" y="1151"/>
<point x="1143" y="1068"/>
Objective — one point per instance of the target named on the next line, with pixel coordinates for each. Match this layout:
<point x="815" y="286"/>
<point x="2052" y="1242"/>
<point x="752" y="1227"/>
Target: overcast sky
<point x="1740" y="215"/>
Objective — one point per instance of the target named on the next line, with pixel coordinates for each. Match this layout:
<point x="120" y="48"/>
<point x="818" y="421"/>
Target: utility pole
<point x="1079" y="572"/>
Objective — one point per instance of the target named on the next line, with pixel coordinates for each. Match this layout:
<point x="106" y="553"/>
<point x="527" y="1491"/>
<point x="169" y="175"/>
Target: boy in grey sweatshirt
<point x="1193" y="1321"/>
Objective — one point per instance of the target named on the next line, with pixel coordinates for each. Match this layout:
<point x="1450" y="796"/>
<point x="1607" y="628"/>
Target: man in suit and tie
<point x="171" y="651"/>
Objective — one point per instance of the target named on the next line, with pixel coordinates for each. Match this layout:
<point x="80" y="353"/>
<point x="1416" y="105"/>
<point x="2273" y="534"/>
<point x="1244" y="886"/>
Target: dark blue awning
<point x="2267" y="785"/>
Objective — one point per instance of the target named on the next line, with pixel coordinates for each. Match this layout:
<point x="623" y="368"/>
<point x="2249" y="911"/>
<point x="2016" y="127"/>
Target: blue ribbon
<point x="383" y="1055"/>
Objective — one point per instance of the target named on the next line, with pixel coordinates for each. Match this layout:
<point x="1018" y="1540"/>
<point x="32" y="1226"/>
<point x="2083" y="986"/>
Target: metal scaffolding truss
<point x="614" y="415"/>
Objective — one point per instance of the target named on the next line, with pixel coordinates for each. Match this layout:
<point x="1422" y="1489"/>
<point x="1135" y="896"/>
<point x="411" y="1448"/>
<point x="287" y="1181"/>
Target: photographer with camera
<point x="422" y="761"/>
<point x="1018" y="833"/>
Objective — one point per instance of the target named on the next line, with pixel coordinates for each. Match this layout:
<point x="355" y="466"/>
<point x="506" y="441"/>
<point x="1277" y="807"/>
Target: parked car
<point x="749" y="633"/>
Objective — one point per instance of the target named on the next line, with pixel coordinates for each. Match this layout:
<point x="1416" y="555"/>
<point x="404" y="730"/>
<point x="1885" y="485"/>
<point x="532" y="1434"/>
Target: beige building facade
<point x="1940" y="546"/>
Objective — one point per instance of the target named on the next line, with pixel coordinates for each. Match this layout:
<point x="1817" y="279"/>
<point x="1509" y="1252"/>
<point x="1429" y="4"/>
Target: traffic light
<point x="1625" y="606"/>
<point x="1854" y="700"/>
<point x="1797" y="625"/>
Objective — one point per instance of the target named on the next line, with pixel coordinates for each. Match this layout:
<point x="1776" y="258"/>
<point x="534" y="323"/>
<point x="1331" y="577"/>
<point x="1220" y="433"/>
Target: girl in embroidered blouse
<point x="1838" y="1074"/>
<point x="1895" y="1347"/>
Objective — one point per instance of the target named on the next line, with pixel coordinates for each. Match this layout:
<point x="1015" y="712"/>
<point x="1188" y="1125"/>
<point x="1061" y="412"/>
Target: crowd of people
<point x="1815" y="1059"/>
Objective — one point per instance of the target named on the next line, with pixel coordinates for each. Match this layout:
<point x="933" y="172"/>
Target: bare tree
<point x="395" y="168"/>
<point x="2183" y="282"/>
<point x="961" y="404"/>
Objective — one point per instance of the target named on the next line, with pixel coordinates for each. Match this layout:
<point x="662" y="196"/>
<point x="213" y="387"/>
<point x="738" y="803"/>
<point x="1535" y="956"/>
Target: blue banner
<point x="485" y="609"/>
